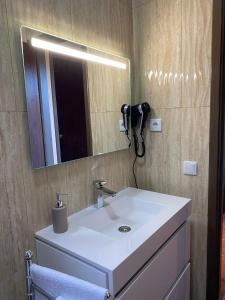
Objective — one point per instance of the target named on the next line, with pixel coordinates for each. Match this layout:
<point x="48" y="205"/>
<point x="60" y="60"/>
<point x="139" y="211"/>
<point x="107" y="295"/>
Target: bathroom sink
<point x="121" y="216"/>
<point x="123" y="234"/>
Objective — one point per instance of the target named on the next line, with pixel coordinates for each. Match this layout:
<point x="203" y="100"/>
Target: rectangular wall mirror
<point x="74" y="96"/>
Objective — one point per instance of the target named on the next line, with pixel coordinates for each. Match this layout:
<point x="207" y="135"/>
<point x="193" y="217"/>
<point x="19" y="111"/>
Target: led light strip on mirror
<point x="53" y="47"/>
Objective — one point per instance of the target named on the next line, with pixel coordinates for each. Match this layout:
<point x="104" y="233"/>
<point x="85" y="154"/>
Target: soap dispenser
<point x="59" y="215"/>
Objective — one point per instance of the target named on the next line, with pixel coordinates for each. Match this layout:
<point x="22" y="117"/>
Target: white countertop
<point x="93" y="236"/>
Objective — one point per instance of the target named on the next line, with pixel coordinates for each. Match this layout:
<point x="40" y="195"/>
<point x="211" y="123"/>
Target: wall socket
<point x="156" y="125"/>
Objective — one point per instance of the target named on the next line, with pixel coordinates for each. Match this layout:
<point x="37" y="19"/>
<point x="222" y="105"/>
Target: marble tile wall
<point x="27" y="195"/>
<point x="172" y="42"/>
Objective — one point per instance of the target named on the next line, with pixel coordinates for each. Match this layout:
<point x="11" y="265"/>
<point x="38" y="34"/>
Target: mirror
<point x="74" y="96"/>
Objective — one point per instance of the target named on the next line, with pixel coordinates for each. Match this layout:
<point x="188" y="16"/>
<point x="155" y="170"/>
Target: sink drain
<point x="124" y="228"/>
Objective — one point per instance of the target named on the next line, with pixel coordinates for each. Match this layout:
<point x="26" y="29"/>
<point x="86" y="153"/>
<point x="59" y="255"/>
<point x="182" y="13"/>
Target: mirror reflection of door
<point x="64" y="108"/>
<point x="71" y="107"/>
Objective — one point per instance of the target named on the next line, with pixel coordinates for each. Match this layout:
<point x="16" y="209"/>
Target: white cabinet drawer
<point x="53" y="258"/>
<point x="156" y="279"/>
<point x="181" y="289"/>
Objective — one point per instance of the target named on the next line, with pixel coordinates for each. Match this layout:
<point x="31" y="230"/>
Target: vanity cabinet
<point x="166" y="274"/>
<point x="151" y="261"/>
<point x="158" y="276"/>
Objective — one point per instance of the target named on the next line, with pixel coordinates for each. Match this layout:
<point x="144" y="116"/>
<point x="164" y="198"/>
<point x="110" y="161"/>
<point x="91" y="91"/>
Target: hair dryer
<point x="125" y="110"/>
<point x="140" y="111"/>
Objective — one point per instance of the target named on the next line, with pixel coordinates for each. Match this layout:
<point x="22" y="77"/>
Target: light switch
<point x="156" y="125"/>
<point x="190" y="168"/>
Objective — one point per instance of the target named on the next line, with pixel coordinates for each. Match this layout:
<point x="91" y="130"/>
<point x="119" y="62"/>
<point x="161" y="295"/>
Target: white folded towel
<point x="68" y="287"/>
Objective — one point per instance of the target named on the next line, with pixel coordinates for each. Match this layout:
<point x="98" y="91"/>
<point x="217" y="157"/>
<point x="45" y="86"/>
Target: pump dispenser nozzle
<point x="59" y="202"/>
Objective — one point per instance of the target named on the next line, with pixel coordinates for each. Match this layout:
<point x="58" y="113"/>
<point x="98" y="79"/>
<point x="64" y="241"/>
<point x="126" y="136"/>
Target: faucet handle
<point x="99" y="183"/>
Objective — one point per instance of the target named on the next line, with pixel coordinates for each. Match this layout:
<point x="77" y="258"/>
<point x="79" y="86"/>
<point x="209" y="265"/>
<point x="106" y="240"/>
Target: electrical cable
<point x="137" y="144"/>
<point x="128" y="140"/>
<point x="136" y="150"/>
<point x="133" y="170"/>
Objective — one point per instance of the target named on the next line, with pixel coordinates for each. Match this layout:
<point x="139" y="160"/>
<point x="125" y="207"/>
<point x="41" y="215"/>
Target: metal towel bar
<point x="31" y="287"/>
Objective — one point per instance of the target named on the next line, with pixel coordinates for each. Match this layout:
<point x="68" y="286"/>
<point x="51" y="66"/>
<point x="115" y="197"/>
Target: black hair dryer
<point x="125" y="110"/>
<point x="139" y="115"/>
<point x="139" y="111"/>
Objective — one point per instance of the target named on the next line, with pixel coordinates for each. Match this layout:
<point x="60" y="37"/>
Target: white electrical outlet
<point x="121" y="126"/>
<point x="156" y="125"/>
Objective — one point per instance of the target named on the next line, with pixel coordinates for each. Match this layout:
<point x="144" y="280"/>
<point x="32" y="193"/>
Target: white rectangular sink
<point x="93" y="234"/>
<point x="121" y="211"/>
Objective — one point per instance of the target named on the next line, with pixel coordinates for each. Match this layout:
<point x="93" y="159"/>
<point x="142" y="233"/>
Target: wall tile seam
<point x="13" y="111"/>
<point x="179" y="107"/>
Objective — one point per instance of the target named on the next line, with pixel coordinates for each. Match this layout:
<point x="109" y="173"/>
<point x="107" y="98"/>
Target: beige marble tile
<point x="6" y="246"/>
<point x="7" y="254"/>
<point x="20" y="283"/>
<point x="60" y="22"/>
<point x="195" y="146"/>
<point x="120" y="35"/>
<point x="171" y="150"/>
<point x="26" y="189"/>
<point x="118" y="163"/>
<point x="157" y="35"/>
<point x="8" y="289"/>
<point x="7" y="100"/>
<point x="80" y="187"/>
<point x="145" y="58"/>
<point x="98" y="23"/>
<point x="32" y="13"/>
<point x="196" y="52"/>
<point x="14" y="183"/>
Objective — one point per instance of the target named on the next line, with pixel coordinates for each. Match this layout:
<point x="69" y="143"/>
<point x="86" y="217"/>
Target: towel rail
<point x="31" y="287"/>
<point x="28" y="262"/>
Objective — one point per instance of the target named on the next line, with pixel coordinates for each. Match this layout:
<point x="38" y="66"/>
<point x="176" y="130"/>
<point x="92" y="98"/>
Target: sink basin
<point x="121" y="211"/>
<point x="144" y="212"/>
<point x="94" y="237"/>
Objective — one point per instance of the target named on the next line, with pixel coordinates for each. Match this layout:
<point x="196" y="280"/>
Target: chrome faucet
<point x="100" y="190"/>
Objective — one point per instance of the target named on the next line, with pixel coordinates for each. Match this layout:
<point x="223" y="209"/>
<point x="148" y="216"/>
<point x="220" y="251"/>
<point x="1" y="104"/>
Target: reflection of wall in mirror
<point x="108" y="90"/>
